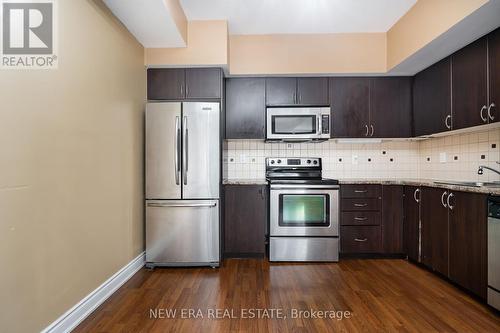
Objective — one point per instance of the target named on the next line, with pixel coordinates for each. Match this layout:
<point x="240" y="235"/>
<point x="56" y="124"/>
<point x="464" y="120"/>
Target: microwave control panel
<point x="325" y="124"/>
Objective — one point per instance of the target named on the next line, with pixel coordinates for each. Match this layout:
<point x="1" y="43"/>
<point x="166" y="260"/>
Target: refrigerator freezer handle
<point x="181" y="205"/>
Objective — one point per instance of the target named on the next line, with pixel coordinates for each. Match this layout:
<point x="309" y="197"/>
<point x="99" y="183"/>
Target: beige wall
<point x="71" y="143"/>
<point x="307" y="53"/>
<point x="207" y="45"/>
<point x="425" y="21"/>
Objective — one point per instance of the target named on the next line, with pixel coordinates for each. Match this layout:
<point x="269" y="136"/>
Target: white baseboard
<point x="74" y="316"/>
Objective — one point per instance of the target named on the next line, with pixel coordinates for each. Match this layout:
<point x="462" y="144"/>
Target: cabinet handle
<point x="415" y="195"/>
<point x="261" y="194"/>
<point x="360" y="218"/>
<point x="300" y="98"/>
<point x="360" y="205"/>
<point x="442" y="199"/>
<point x="294" y="98"/>
<point x="360" y="240"/>
<point x="448" y="117"/>
<point x="492" y="105"/>
<point x="483" y="118"/>
<point x="448" y="201"/>
<point x="367" y="130"/>
<point x="359" y="191"/>
<point x="182" y="91"/>
<point x="373" y="131"/>
<point x="187" y="90"/>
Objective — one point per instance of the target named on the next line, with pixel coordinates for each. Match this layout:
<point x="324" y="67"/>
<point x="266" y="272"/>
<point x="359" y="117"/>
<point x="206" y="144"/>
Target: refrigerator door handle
<point x="177" y="150"/>
<point x="185" y="150"/>
<point x="181" y="205"/>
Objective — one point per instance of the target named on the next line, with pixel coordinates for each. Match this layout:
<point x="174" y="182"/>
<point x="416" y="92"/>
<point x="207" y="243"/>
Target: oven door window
<point x="299" y="210"/>
<point x="300" y="124"/>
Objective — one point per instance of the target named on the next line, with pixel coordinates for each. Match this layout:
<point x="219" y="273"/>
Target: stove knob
<point x="308" y="161"/>
<point x="279" y="161"/>
<point x="272" y="161"/>
<point x="315" y="162"/>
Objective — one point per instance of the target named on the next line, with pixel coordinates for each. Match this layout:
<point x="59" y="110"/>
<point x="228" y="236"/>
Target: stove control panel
<point x="293" y="162"/>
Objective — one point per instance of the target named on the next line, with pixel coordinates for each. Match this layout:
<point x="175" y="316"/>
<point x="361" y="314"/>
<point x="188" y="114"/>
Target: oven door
<point x="294" y="124"/>
<point x="304" y="211"/>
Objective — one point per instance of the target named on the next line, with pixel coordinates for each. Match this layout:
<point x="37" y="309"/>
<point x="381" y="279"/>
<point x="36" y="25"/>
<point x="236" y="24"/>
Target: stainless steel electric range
<point x="304" y="211"/>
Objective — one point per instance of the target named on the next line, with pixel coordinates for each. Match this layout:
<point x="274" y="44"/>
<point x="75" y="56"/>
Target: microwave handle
<point x="318" y="121"/>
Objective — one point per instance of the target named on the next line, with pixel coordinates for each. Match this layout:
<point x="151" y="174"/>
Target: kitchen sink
<point x="471" y="184"/>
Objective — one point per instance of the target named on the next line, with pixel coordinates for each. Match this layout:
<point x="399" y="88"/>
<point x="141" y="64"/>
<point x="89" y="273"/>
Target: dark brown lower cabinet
<point x="468" y="241"/>
<point x="361" y="239"/>
<point x="392" y="212"/>
<point x="412" y="221"/>
<point x="245" y="220"/>
<point x="434" y="217"/>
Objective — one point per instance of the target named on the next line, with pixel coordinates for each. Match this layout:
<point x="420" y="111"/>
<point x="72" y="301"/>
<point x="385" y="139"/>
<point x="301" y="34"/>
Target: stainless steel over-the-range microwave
<point x="298" y="124"/>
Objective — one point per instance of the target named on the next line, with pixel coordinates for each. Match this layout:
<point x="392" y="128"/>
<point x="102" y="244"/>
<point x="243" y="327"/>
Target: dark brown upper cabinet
<point x="432" y="99"/>
<point x="435" y="229"/>
<point x="412" y="222"/>
<point x="350" y="103"/>
<point x="286" y="91"/>
<point x="469" y="85"/>
<point x="245" y="108"/>
<point x="468" y="241"/>
<point x="166" y="83"/>
<point x="180" y="83"/>
<point x="203" y="83"/>
<point x="494" y="74"/>
<point x="390" y="107"/>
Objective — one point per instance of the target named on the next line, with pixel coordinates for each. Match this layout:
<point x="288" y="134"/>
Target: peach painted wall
<point x="424" y="22"/>
<point x="207" y="45"/>
<point x="307" y="53"/>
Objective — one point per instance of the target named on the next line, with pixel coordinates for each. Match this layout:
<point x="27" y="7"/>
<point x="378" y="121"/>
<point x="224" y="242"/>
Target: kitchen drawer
<point x="361" y="191"/>
<point x="361" y="218"/>
<point x="369" y="204"/>
<point x="365" y="239"/>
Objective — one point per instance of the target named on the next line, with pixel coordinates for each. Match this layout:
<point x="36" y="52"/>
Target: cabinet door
<point x="494" y="71"/>
<point x="203" y="83"/>
<point x="245" y="220"/>
<point x="469" y="85"/>
<point x="312" y="91"/>
<point x="434" y="217"/>
<point x="281" y="91"/>
<point x="432" y="99"/>
<point x="392" y="219"/>
<point x="412" y="221"/>
<point x="350" y="107"/>
<point x="390" y="107"/>
<point x="245" y="108"/>
<point x="165" y="83"/>
<point x="468" y="241"/>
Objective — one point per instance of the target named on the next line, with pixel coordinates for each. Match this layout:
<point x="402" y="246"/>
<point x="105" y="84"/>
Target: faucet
<point x="481" y="167"/>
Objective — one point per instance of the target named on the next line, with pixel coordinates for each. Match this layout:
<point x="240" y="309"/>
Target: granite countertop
<point x="260" y="181"/>
<point x="423" y="182"/>
<point x="409" y="182"/>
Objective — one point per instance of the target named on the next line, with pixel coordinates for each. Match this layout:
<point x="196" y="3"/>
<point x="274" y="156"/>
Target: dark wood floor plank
<point x="383" y="296"/>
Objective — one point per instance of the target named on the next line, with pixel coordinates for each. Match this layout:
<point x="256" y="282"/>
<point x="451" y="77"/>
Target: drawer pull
<point x="360" y="240"/>
<point x="360" y="205"/>
<point x="361" y="218"/>
<point x="360" y="191"/>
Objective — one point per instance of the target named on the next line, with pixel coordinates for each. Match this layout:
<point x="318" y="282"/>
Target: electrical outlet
<point x="442" y="157"/>
<point x="355" y="159"/>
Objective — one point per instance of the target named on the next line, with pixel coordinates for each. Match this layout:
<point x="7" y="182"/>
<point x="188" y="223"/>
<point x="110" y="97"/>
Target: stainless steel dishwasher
<point x="494" y="252"/>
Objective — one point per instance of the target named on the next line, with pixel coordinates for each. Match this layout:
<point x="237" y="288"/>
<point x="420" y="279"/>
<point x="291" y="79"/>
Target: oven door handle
<point x="302" y="187"/>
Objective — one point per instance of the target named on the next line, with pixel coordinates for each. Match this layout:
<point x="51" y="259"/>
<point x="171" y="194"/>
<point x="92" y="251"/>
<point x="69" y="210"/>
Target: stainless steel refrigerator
<point x="182" y="184"/>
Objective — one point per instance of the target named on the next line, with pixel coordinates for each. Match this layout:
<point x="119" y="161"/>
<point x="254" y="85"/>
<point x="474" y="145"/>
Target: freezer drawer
<point x="304" y="249"/>
<point x="182" y="233"/>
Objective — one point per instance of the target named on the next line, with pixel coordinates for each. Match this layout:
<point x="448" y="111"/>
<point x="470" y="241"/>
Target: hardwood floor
<point x="381" y="295"/>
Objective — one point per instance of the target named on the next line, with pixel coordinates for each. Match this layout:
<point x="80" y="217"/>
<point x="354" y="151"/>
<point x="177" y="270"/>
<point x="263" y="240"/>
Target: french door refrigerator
<point x="182" y="184"/>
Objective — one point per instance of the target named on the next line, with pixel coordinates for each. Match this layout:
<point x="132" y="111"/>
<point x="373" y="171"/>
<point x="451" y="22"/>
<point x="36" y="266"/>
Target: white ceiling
<point x="299" y="16"/>
<point x="149" y="21"/>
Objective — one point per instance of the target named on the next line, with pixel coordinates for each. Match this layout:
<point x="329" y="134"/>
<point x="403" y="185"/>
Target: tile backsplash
<point x="454" y="157"/>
